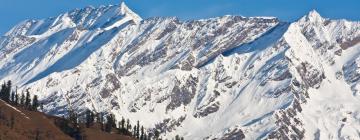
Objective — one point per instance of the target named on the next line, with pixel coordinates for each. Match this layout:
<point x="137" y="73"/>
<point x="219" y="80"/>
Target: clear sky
<point x="15" y="11"/>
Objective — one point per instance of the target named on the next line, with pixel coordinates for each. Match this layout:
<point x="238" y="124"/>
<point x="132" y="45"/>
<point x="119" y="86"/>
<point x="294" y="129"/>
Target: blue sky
<point x="15" y="11"/>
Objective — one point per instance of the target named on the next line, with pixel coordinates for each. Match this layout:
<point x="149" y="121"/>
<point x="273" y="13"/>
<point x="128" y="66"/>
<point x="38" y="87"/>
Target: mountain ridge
<point x="187" y="76"/>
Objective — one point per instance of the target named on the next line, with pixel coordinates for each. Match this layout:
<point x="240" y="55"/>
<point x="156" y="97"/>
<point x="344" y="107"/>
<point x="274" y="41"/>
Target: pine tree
<point x="16" y="102"/>
<point x="101" y="121"/>
<point x="120" y="130"/>
<point x="145" y="137"/>
<point x="27" y="99"/>
<point x="142" y="133"/>
<point x="22" y="99"/>
<point x="156" y="134"/>
<point x="97" y="117"/>
<point x="3" y="91"/>
<point x="149" y="135"/>
<point x="89" y="118"/>
<point x="7" y="92"/>
<point x="177" y="137"/>
<point x="122" y="123"/>
<point x="63" y="125"/>
<point x="13" y="97"/>
<point x="73" y="118"/>
<point x="41" y="106"/>
<point x="134" y="131"/>
<point x="35" y="103"/>
<point x="110" y="122"/>
<point x="128" y="125"/>
<point x="138" y="130"/>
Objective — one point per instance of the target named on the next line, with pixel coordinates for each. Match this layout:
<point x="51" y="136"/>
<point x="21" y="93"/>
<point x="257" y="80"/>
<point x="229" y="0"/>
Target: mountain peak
<point x="313" y="16"/>
<point x="123" y="6"/>
<point x="125" y="10"/>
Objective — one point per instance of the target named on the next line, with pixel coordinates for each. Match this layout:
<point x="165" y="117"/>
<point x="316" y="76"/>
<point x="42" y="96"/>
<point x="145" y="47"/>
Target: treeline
<point x="74" y="124"/>
<point x="13" y="98"/>
<point x="23" y="100"/>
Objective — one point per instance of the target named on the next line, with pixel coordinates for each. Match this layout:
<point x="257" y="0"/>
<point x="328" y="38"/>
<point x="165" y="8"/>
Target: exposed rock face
<point x="229" y="77"/>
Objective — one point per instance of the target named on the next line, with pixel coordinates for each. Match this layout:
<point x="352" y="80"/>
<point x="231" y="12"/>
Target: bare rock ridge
<point x="229" y="77"/>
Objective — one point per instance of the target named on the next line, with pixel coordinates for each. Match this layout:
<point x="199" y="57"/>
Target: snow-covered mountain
<point x="230" y="77"/>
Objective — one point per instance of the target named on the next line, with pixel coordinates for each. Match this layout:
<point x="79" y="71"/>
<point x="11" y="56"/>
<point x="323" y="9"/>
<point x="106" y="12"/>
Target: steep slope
<point x="27" y="125"/>
<point x="35" y="45"/>
<point x="17" y="123"/>
<point x="321" y="49"/>
<point x="229" y="77"/>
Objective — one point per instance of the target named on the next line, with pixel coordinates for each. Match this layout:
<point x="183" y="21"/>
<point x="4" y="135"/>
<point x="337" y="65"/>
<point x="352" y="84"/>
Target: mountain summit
<point x="104" y="17"/>
<point x="313" y="14"/>
<point x="126" y="11"/>
<point x="228" y="77"/>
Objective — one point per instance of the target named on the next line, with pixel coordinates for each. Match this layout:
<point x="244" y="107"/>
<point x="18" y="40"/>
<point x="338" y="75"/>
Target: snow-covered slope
<point x="229" y="77"/>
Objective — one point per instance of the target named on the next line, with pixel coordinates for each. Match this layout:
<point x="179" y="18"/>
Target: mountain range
<point x="229" y="77"/>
